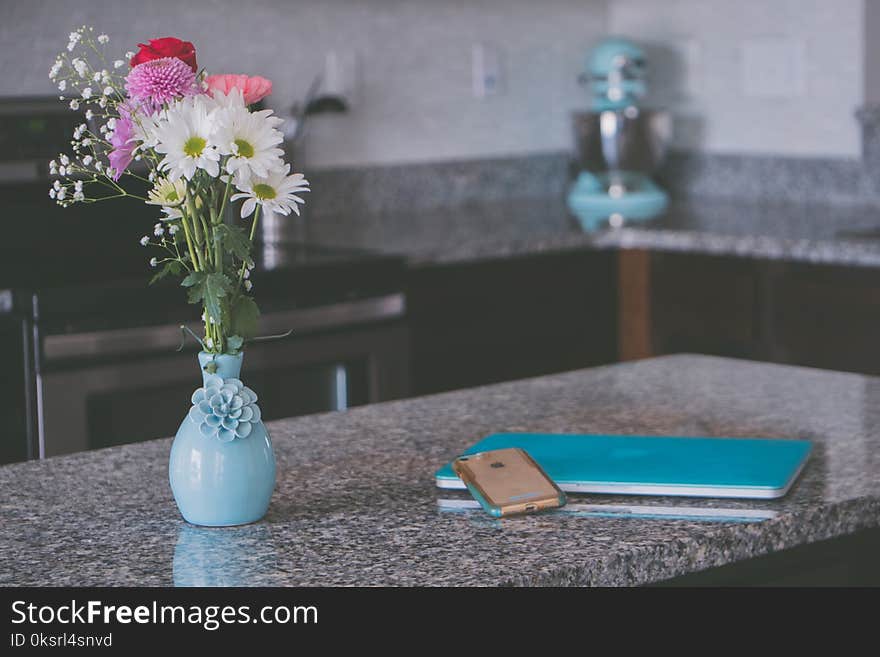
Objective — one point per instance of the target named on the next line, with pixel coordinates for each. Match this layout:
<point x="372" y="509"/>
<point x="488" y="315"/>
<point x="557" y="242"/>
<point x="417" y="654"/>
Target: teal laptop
<point x="762" y="468"/>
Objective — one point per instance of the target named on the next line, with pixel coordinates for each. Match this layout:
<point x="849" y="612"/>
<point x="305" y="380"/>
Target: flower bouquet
<point x="202" y="150"/>
<point x="157" y="119"/>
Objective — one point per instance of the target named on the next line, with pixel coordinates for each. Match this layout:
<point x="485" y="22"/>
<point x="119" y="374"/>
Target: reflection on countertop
<point x="228" y="556"/>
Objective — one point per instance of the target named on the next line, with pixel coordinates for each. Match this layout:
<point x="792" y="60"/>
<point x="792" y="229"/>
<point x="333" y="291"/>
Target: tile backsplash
<point x="418" y="136"/>
<point x="762" y="77"/>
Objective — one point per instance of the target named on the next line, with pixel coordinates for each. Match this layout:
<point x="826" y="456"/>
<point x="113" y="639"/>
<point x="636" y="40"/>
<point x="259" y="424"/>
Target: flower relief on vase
<point x="224" y="409"/>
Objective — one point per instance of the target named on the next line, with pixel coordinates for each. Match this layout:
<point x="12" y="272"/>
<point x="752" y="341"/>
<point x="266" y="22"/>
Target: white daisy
<point x="145" y="127"/>
<point x="185" y="135"/>
<point x="275" y="192"/>
<point x="250" y="139"/>
<point x="170" y="195"/>
<point x="167" y="192"/>
<point x="171" y="214"/>
<point x="218" y="99"/>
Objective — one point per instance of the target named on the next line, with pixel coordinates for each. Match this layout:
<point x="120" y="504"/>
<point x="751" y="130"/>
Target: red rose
<point x="166" y="47"/>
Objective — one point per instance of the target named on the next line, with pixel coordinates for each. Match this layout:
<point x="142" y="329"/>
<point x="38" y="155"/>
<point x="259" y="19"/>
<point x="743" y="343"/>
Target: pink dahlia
<point x="123" y="142"/>
<point x="159" y="81"/>
<point x="252" y="88"/>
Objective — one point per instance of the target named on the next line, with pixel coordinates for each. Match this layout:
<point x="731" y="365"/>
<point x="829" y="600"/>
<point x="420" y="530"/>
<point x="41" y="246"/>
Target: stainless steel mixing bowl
<point x="629" y="139"/>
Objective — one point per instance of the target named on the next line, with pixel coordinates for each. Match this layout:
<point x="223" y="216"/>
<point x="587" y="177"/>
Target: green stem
<point x="191" y="208"/>
<point x="225" y="197"/>
<point x="206" y="232"/>
<point x="189" y="241"/>
<point x="218" y="255"/>
<point x="253" y="232"/>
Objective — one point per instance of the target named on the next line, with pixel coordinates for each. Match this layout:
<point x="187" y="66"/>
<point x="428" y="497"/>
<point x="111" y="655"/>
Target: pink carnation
<point x="123" y="142"/>
<point x="252" y="88"/>
<point x="159" y="81"/>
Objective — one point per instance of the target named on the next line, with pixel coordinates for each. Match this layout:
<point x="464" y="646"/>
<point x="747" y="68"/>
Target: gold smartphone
<point x="508" y="481"/>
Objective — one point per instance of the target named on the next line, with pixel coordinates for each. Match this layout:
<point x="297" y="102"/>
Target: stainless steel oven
<point x="105" y="387"/>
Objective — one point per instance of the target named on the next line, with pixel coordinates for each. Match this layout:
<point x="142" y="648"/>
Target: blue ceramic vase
<point x="222" y="466"/>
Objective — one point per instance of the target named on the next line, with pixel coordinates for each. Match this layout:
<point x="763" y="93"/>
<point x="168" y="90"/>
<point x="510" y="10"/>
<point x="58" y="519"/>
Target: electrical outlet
<point x="689" y="55"/>
<point x="341" y="75"/>
<point x="774" y="68"/>
<point x="486" y="70"/>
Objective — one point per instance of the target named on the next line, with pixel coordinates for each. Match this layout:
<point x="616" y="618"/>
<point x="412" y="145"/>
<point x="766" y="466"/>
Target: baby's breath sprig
<point x="95" y="87"/>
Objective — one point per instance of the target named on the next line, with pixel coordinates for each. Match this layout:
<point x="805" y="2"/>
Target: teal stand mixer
<point x="619" y="144"/>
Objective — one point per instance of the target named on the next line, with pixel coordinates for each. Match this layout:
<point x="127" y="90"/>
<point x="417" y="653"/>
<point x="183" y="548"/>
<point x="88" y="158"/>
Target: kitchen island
<point x="355" y="502"/>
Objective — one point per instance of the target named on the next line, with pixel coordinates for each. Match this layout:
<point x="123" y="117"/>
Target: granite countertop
<point x="802" y="232"/>
<point x="107" y="517"/>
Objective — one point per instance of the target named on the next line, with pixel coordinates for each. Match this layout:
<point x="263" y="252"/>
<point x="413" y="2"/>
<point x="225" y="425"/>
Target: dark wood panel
<point x="481" y="323"/>
<point x="14" y="436"/>
<point x="843" y="561"/>
<point x="704" y="304"/>
<point x="824" y="316"/>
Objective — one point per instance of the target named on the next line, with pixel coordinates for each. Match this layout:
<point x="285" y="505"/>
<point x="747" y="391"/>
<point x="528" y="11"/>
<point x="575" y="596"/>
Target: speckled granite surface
<point x="108" y="518"/>
<point x="801" y="232"/>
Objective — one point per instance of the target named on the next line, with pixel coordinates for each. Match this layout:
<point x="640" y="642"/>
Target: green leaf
<point x="234" y="240"/>
<point x="244" y="314"/>
<point x="234" y="342"/>
<point x="217" y="286"/>
<point x="173" y="268"/>
<point x="193" y="279"/>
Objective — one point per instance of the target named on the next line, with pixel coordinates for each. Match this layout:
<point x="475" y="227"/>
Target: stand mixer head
<point x="619" y="144"/>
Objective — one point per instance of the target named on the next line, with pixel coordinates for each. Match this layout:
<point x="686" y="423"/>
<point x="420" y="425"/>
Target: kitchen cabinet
<point x="825" y="316"/>
<point x="712" y="312"/>
<point x="483" y="322"/>
<point x="842" y="561"/>
<point x="13" y="383"/>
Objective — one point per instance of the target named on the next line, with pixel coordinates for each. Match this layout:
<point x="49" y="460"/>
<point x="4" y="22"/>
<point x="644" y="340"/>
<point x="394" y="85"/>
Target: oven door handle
<point x="141" y="340"/>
